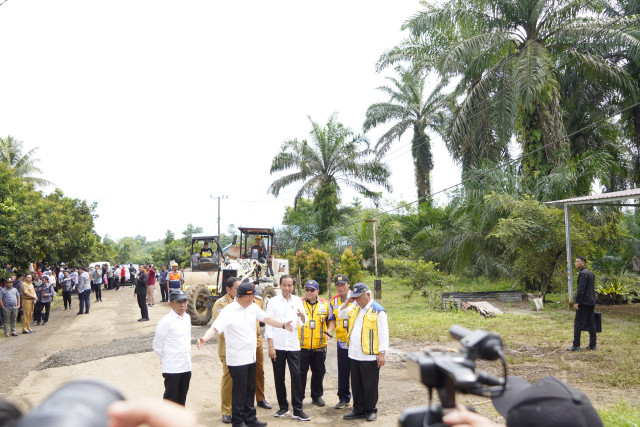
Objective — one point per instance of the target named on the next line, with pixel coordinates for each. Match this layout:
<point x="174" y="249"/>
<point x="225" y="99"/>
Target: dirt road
<point x="110" y="344"/>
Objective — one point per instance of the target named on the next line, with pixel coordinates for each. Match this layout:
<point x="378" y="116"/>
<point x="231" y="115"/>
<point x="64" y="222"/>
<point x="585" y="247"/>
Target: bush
<point x="421" y="276"/>
<point x="313" y="265"/>
<point x="351" y="265"/>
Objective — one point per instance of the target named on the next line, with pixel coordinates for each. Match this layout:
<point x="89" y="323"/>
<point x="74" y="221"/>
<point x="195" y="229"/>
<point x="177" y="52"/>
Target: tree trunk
<point x="423" y="162"/>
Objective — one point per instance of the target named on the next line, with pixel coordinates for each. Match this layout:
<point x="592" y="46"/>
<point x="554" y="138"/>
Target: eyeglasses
<point x="309" y="290"/>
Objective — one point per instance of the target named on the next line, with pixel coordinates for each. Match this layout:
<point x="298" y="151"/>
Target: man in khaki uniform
<point x="261" y="401"/>
<point x="29" y="299"/>
<point x="226" y="384"/>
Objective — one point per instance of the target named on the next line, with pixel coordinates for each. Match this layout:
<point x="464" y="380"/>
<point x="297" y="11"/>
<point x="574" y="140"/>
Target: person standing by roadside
<point x="84" y="290"/>
<point x="96" y="282"/>
<point x="341" y="326"/>
<point x="18" y="285"/>
<point x="175" y="277"/>
<point x="231" y="287"/>
<point x="132" y="274"/>
<point x="585" y="304"/>
<point x="284" y="348"/>
<point x="172" y="345"/>
<point x="164" y="291"/>
<point x="110" y="284"/>
<point x="313" y="341"/>
<point x="238" y="322"/>
<point x="368" y="340"/>
<point x="67" y="289"/>
<point x="28" y="300"/>
<point x="140" y="293"/>
<point x="151" y="286"/>
<point x="9" y="303"/>
<point x="46" y="296"/>
<point x="37" y="307"/>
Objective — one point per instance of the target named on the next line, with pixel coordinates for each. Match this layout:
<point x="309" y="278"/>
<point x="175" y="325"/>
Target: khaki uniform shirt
<point x="217" y="308"/>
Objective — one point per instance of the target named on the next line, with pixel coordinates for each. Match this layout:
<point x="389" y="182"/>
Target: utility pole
<point x="377" y="284"/>
<point x="219" y="197"/>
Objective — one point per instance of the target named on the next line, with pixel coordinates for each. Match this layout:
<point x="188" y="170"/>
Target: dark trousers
<point x="84" y="299"/>
<point x="37" y="312"/>
<point x="122" y="281"/>
<point x="97" y="288"/>
<point x="344" y="371"/>
<point x="242" y="394"/>
<point x="314" y="360"/>
<point x="584" y="318"/>
<point x="142" y="303"/>
<point x="47" y="308"/>
<point x="66" y="297"/>
<point x="176" y="387"/>
<point x="292" y="358"/>
<point x="164" y="292"/>
<point x="364" y="383"/>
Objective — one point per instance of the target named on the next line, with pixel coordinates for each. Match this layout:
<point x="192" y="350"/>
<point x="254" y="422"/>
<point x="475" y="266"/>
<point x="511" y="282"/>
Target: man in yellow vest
<point x="341" y="326"/>
<point x="368" y="340"/>
<point x="175" y="278"/>
<point x="313" y="341"/>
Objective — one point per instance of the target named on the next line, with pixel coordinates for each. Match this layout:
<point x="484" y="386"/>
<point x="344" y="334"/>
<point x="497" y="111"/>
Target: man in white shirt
<point x="172" y="345"/>
<point x="368" y="340"/>
<point x="238" y="323"/>
<point x="284" y="348"/>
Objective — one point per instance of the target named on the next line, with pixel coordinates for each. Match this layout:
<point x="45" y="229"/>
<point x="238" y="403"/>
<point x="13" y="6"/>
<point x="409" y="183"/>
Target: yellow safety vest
<point x="314" y="337"/>
<point x="342" y="325"/>
<point x="370" y="342"/>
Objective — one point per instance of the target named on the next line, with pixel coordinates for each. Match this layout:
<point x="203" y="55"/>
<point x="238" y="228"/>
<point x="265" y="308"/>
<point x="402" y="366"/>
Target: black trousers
<point x="176" y="387"/>
<point x="37" y="312"/>
<point x="97" y="288"/>
<point x="142" y="303"/>
<point x="293" y="359"/>
<point x="314" y="360"/>
<point x="344" y="371"/>
<point x="164" y="292"/>
<point x="242" y="394"/>
<point x="66" y="297"/>
<point x="364" y="384"/>
<point x="584" y="317"/>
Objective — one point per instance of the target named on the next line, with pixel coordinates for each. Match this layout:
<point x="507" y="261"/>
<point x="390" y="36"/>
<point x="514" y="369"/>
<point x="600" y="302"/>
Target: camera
<point x="449" y="372"/>
<point x="80" y="403"/>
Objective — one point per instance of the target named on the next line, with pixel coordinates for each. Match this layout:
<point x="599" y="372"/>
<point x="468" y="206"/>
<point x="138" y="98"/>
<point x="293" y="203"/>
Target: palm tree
<point x="335" y="156"/>
<point x="508" y="55"/>
<point x="22" y="165"/>
<point x="408" y="109"/>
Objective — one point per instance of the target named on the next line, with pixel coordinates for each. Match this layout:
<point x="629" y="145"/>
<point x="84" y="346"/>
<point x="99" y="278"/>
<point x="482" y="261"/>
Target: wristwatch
<point x="283" y="325"/>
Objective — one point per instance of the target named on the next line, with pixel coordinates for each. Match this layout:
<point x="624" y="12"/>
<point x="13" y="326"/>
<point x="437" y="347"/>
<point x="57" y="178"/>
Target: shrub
<point x="421" y="276"/>
<point x="350" y="264"/>
<point x="312" y="265"/>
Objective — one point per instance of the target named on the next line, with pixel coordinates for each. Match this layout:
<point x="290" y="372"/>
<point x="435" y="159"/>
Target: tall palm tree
<point x="408" y="109"/>
<point x="508" y="55"/>
<point x="334" y="156"/>
<point x="22" y="164"/>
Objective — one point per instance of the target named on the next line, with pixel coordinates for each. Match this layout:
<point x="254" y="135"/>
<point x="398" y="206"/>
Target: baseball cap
<point x="177" y="295"/>
<point x="311" y="284"/>
<point x="548" y="402"/>
<point x="340" y="278"/>
<point x="358" y="290"/>
<point x="246" y="288"/>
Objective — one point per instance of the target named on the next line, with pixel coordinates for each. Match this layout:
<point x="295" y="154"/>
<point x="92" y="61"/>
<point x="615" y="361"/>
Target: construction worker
<point x="341" y="326"/>
<point x="313" y="341"/>
<point x="175" y="277"/>
<point x="205" y="252"/>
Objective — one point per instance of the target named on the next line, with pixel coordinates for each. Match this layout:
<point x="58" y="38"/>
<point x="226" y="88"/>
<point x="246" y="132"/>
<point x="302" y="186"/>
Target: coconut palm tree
<point x="22" y="164"/>
<point x="508" y="55"/>
<point x="408" y="109"/>
<point x="333" y="157"/>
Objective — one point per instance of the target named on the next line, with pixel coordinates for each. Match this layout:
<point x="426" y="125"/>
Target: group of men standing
<point x="297" y="332"/>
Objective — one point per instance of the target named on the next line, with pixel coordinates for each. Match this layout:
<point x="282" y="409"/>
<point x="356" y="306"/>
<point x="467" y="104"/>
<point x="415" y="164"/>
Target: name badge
<point x="345" y="323"/>
<point x="312" y="324"/>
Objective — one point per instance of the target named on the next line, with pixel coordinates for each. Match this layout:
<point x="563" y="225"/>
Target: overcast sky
<point x="150" y="107"/>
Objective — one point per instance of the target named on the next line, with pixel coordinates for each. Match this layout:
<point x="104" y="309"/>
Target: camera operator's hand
<point x="151" y="412"/>
<point x="462" y="417"/>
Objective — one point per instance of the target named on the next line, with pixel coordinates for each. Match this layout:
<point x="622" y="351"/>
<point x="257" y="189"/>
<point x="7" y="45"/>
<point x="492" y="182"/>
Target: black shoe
<point x="141" y="319"/>
<point x="318" y="401"/>
<point x="256" y="423"/>
<point x="300" y="416"/>
<point x="573" y="349"/>
<point x="372" y="416"/>
<point x="353" y="416"/>
<point x="44" y="323"/>
<point x="591" y="348"/>
<point x="79" y="312"/>
<point x="38" y="323"/>
<point x="264" y="404"/>
<point x="226" y="419"/>
<point x="281" y="413"/>
<point x="342" y="404"/>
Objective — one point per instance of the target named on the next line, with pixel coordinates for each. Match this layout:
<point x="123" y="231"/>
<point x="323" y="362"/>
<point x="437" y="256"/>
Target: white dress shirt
<point x="355" y="341"/>
<point x="240" y="333"/>
<point x="172" y="343"/>
<point x="284" y="310"/>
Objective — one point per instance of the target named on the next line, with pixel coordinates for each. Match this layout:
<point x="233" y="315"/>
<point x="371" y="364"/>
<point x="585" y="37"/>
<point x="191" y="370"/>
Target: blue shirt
<point x="9" y="298"/>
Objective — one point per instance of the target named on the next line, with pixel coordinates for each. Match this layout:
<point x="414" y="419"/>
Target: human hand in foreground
<point x="289" y="325"/>
<point x="201" y="342"/>
<point x="462" y="417"/>
<point x="151" y="412"/>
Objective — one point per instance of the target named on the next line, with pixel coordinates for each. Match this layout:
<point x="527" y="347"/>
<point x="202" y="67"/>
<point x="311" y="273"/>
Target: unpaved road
<point x="110" y="344"/>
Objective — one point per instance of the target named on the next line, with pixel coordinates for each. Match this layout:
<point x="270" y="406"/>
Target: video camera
<point x="80" y="403"/>
<point x="450" y="372"/>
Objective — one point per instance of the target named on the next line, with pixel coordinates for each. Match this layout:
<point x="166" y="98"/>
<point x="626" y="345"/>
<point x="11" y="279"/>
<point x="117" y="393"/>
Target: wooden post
<point x="298" y="283"/>
<point x="328" y="279"/>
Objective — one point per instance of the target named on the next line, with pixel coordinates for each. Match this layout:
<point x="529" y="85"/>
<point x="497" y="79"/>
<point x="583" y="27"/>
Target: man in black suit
<point x="585" y="303"/>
